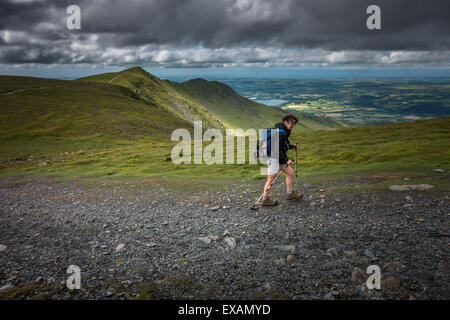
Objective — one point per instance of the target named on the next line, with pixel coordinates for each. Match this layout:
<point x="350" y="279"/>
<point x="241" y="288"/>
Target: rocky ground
<point x="149" y="242"/>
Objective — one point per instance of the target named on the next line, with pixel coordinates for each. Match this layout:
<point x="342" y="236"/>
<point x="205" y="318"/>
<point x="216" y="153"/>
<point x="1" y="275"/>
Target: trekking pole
<point x="296" y="175"/>
<point x="254" y="207"/>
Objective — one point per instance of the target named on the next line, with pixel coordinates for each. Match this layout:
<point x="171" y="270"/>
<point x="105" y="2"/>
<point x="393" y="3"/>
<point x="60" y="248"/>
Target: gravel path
<point x="154" y="243"/>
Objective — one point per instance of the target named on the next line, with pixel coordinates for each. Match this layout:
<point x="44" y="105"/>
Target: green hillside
<point x="231" y="109"/>
<point x="212" y="102"/>
<point x="68" y="109"/>
<point x="42" y="117"/>
<point x="95" y="127"/>
<point x="73" y="132"/>
<point x="150" y="89"/>
<point x="411" y="149"/>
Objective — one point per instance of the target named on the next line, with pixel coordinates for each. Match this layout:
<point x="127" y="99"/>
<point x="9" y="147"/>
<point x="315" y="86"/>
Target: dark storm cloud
<point x="38" y="53"/>
<point x="320" y="23"/>
<point x="222" y="32"/>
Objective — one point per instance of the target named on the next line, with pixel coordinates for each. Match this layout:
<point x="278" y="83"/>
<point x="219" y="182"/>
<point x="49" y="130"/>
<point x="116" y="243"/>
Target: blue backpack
<point x="264" y="145"/>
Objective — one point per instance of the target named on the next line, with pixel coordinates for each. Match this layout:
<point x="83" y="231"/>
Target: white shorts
<point x="273" y="166"/>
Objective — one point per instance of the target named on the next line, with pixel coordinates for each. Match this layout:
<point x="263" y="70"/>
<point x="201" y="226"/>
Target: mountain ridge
<point x="213" y="102"/>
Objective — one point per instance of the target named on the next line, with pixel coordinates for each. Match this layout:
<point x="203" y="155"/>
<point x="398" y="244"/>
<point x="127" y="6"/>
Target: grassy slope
<point x="152" y="90"/>
<point x="411" y="149"/>
<point x="43" y="130"/>
<point x="81" y="109"/>
<point x="11" y="83"/>
<point x="236" y="111"/>
<point x="213" y="102"/>
<point x="233" y="110"/>
<point x="68" y="116"/>
<point x="406" y="149"/>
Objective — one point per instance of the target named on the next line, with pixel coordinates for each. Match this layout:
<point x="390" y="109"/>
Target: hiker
<point x="284" y="130"/>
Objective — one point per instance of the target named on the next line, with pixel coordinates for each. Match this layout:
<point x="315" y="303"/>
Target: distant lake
<point x="271" y="102"/>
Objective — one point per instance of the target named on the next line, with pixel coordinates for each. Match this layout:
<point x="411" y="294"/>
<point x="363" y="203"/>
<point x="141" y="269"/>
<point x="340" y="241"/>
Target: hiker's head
<point x="290" y="121"/>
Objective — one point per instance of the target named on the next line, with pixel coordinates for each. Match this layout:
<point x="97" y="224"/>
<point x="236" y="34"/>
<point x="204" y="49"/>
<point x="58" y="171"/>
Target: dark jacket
<point x="284" y="145"/>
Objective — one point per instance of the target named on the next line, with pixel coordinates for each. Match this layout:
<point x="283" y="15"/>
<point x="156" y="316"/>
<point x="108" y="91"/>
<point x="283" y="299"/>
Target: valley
<point x="356" y="102"/>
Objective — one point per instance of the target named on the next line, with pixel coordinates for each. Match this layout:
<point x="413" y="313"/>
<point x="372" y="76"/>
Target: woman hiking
<point x="275" y="165"/>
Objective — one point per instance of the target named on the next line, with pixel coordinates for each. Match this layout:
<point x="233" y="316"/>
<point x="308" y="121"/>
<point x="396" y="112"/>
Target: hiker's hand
<point x="295" y="146"/>
<point x="290" y="162"/>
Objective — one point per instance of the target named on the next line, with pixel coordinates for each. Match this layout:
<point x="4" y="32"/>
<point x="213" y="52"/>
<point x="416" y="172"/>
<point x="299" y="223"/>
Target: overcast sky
<point x="224" y="33"/>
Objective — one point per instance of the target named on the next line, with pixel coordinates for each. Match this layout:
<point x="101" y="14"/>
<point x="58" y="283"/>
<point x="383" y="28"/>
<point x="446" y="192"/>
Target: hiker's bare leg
<point x="270" y="178"/>
<point x="289" y="178"/>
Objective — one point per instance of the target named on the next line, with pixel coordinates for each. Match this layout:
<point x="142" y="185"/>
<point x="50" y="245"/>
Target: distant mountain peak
<point x="211" y="84"/>
<point x="135" y="69"/>
<point x="140" y="71"/>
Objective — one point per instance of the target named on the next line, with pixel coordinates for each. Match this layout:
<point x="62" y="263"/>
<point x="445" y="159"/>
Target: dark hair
<point x="289" y="118"/>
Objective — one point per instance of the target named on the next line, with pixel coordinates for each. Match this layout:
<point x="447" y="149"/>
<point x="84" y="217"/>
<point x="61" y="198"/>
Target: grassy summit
<point x="151" y="90"/>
